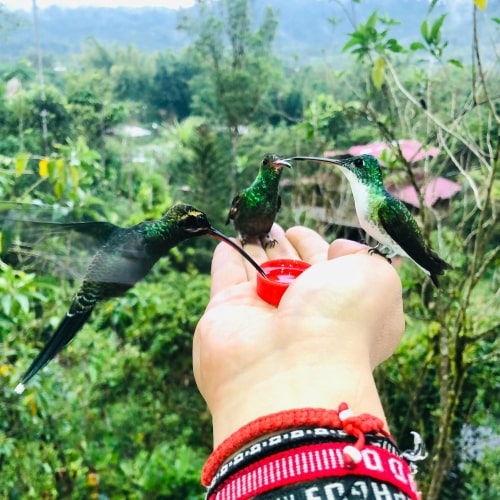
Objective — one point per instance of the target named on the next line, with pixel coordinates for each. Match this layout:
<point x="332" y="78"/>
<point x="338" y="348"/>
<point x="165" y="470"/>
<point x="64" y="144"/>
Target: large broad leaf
<point x="43" y="168"/>
<point x="378" y="75"/>
<point x="21" y="162"/>
<point x="436" y="28"/>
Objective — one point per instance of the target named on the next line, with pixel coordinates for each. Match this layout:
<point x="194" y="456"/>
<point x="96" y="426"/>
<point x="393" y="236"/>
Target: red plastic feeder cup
<point x="280" y="273"/>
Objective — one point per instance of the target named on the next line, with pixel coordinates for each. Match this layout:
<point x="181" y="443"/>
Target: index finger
<point x="227" y="268"/>
<point x="230" y="268"/>
<point x="310" y="246"/>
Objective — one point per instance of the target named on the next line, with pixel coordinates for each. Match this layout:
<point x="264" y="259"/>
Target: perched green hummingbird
<point x="384" y="217"/>
<point x="254" y="209"/>
<point x="125" y="257"/>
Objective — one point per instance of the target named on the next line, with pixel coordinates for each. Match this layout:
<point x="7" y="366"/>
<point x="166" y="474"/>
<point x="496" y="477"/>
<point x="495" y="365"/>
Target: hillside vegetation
<point x="208" y="92"/>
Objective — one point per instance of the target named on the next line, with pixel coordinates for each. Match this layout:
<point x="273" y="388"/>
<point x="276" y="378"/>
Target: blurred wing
<point x="62" y="249"/>
<point x="99" y="230"/>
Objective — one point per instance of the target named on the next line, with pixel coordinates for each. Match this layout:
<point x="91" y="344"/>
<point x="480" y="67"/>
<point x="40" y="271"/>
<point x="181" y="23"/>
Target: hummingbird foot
<point x="268" y="242"/>
<point x="377" y="251"/>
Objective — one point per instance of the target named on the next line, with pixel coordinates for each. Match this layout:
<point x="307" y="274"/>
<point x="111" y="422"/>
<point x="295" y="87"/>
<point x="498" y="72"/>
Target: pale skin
<point x="338" y="321"/>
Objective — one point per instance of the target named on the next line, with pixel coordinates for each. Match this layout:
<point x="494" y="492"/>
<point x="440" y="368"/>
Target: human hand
<point x="340" y="319"/>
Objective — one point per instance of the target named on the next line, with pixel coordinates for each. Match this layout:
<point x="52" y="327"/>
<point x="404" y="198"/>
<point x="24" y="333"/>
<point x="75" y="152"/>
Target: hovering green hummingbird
<point x="254" y="209"/>
<point x="384" y="217"/>
<point x="125" y="257"/>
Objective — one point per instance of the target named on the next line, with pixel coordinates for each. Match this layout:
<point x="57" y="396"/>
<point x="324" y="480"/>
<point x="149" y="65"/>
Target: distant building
<point x="435" y="189"/>
<point x="131" y="131"/>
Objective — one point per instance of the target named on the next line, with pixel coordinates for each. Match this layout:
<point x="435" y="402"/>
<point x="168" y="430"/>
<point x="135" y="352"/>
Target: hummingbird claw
<point x="377" y="251"/>
<point x="268" y="242"/>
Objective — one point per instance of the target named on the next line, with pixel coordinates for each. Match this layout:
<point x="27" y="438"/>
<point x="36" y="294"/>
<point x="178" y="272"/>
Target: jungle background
<point x="115" y="114"/>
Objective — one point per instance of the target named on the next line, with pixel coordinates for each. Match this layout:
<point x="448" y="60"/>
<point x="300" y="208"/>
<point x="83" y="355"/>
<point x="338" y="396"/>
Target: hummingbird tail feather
<point x="68" y="328"/>
<point x="436" y="266"/>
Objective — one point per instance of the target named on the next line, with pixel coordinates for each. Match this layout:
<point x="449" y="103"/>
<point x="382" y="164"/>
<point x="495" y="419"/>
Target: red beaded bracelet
<point x="342" y="418"/>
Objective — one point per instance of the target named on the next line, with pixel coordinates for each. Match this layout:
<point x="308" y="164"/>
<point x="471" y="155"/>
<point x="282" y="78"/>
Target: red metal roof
<point x="412" y="150"/>
<point x="437" y="188"/>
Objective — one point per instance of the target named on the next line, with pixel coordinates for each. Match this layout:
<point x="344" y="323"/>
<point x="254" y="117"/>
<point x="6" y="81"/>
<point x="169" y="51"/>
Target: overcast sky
<point x="26" y="4"/>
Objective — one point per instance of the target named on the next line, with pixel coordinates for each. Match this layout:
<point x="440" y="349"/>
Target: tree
<point x="237" y="68"/>
<point x="438" y="384"/>
<point x="170" y="95"/>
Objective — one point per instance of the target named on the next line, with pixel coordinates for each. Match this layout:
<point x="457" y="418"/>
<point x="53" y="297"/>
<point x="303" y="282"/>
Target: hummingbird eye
<point x="195" y="222"/>
<point x="265" y="161"/>
<point x="358" y="163"/>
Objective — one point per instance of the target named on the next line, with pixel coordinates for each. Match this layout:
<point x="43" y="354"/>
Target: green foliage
<point x="236" y="61"/>
<point x="112" y="402"/>
<point x="367" y="38"/>
<point x="118" y="413"/>
<point x="170" y="94"/>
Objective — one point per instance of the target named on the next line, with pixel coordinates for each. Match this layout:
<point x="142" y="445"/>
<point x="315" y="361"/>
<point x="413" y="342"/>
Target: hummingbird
<point x="384" y="217"/>
<point x="254" y="209"/>
<point x="126" y="256"/>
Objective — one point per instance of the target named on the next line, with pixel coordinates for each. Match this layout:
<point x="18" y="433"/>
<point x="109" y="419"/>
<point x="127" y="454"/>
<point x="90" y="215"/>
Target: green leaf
<point x="23" y="301"/>
<point x="496" y="20"/>
<point x="393" y="45"/>
<point x="372" y="20"/>
<point x="424" y="30"/>
<point x="417" y="46"/>
<point x="378" y="75"/>
<point x="432" y="5"/>
<point x="58" y="189"/>
<point x="334" y="20"/>
<point x="350" y="43"/>
<point x="21" y="163"/>
<point x="7" y="303"/>
<point x="456" y="63"/>
<point x="436" y="28"/>
<point x="74" y="177"/>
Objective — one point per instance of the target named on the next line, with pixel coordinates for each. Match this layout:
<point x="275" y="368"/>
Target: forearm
<point x="303" y="386"/>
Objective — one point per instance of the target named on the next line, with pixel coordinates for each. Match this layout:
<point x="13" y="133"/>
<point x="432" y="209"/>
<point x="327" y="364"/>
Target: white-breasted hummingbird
<point x="384" y="217"/>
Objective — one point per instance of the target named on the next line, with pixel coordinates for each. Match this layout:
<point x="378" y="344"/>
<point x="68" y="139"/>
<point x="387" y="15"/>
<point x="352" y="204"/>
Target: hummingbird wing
<point x="402" y="227"/>
<point x="99" y="230"/>
<point x="120" y="263"/>
<point x="59" y="248"/>
<point x="234" y="208"/>
<point x="124" y="260"/>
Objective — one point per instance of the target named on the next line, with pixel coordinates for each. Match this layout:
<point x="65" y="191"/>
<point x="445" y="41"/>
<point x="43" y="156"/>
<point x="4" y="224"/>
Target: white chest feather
<point x="366" y="210"/>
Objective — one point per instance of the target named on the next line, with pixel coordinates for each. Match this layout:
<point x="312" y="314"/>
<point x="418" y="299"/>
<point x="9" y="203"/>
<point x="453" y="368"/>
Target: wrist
<point x="309" y="386"/>
<point x="302" y="430"/>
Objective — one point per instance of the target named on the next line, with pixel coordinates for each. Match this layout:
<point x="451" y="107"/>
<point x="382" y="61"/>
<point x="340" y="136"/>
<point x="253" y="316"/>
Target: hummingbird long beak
<point x="222" y="237"/>
<point x="281" y="163"/>
<point x="316" y="158"/>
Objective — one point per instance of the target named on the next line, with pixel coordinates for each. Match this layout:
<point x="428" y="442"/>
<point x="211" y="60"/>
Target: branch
<point x="434" y="119"/>
<point x="470" y="181"/>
